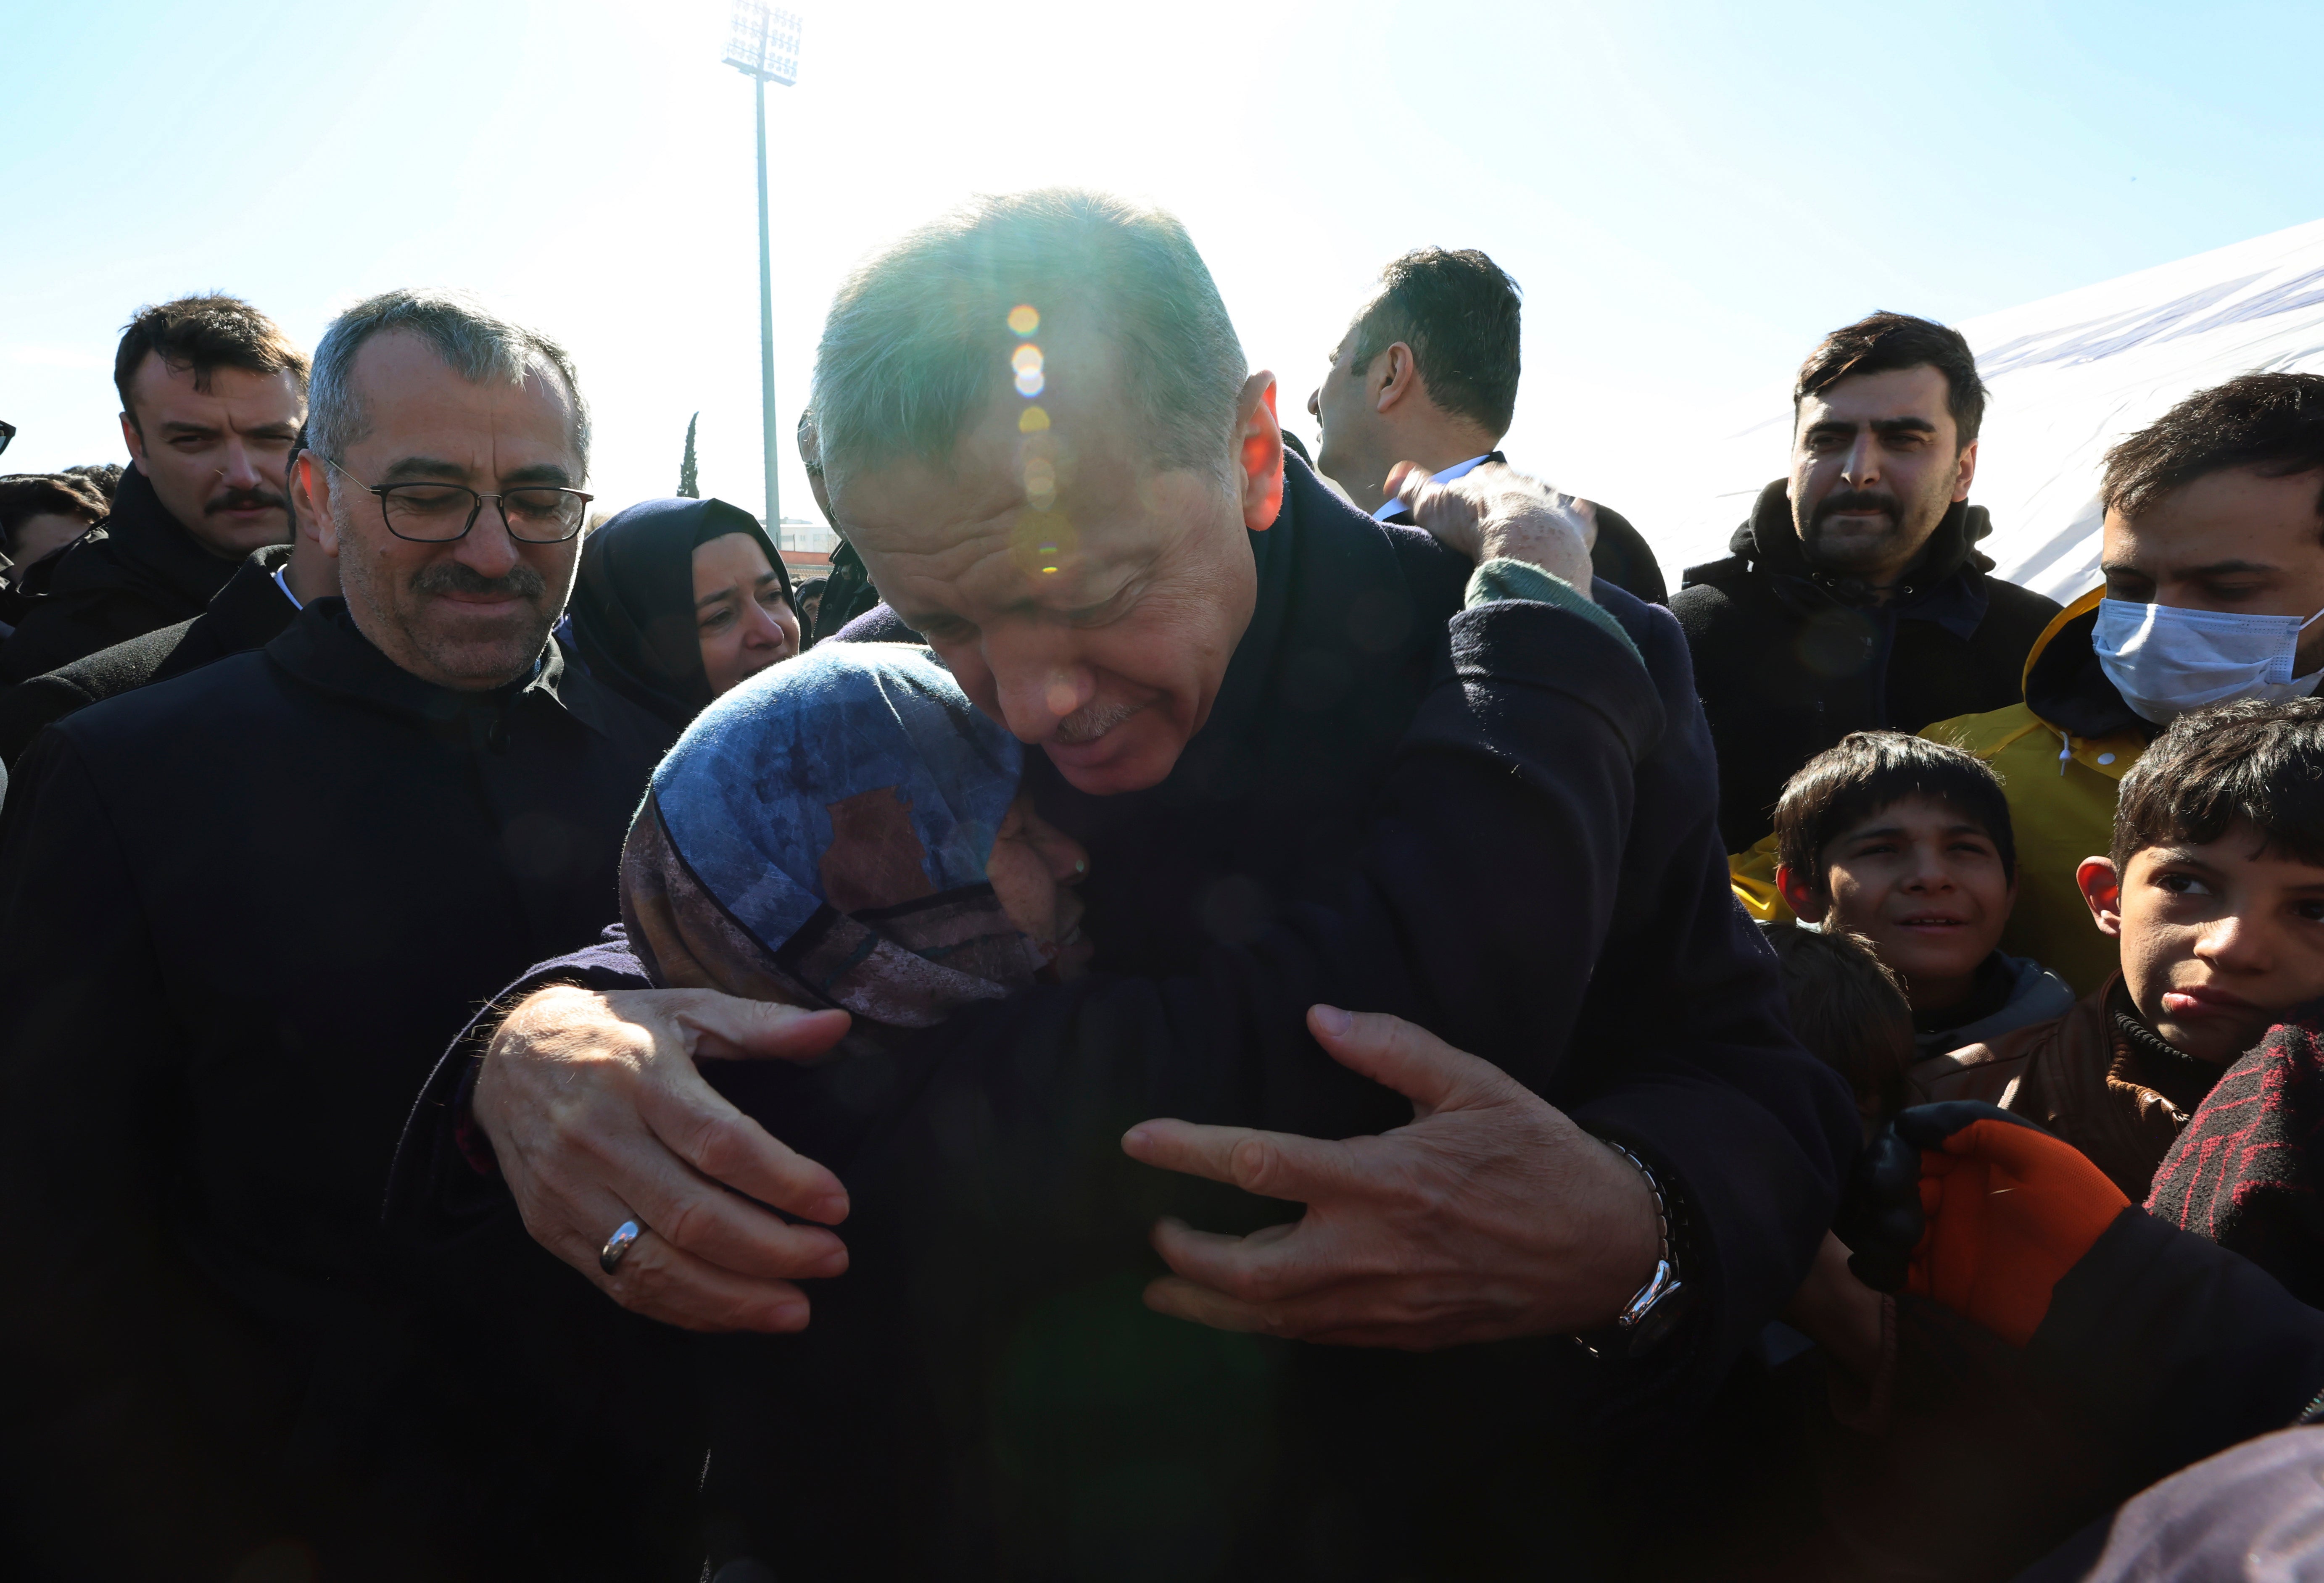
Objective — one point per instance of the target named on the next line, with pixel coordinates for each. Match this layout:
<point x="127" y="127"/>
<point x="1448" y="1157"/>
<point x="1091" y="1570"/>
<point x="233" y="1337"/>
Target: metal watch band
<point x="1648" y="1315"/>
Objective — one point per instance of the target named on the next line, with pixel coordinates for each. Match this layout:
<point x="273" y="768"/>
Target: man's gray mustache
<point x="452" y="577"/>
<point x="1086" y="725"/>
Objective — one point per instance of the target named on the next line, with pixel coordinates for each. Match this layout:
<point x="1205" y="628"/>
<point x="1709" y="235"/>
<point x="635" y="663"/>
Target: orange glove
<point x="2006" y="1210"/>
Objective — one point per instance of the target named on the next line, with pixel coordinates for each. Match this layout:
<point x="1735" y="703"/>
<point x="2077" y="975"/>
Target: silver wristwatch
<point x="1651" y="1315"/>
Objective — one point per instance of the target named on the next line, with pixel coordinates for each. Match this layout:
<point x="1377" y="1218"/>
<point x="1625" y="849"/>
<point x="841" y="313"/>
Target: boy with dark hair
<point x="2213" y="553"/>
<point x="1908" y="843"/>
<point x="212" y="396"/>
<point x="1854" y="598"/>
<point x="2214" y="893"/>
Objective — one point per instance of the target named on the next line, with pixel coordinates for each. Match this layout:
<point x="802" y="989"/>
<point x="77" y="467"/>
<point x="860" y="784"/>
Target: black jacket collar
<point x="253" y="607"/>
<point x="151" y="546"/>
<point x="324" y="649"/>
<point x="1944" y="584"/>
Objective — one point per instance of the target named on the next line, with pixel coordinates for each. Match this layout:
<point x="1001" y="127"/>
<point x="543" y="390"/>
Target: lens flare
<point x="1027" y="361"/>
<point x="1032" y="421"/>
<point x="1024" y="319"/>
<point x="1040" y="484"/>
<point x="1042" y="539"/>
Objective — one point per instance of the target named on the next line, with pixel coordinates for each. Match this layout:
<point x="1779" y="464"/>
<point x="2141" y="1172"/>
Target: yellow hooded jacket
<point x="2060" y="756"/>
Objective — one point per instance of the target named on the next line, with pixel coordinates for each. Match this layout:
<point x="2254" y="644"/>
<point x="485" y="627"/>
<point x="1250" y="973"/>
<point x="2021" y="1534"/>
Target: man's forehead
<point x="1869" y="397"/>
<point x="403" y="385"/>
<point x="2274" y="519"/>
<point x="241" y="396"/>
<point x="1076" y="452"/>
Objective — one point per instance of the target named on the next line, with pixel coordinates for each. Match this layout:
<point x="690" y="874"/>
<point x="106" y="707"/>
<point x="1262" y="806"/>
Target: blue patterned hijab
<point x="819" y="835"/>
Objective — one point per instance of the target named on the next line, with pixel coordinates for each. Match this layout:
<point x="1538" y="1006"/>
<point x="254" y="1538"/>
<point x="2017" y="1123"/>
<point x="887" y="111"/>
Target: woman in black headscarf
<point x="677" y="601"/>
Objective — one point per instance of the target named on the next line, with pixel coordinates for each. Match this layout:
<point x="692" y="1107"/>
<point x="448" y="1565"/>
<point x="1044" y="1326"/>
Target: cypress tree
<point x="687" y="485"/>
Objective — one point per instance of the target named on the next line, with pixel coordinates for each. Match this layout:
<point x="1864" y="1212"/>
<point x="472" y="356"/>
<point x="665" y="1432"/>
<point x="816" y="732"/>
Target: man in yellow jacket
<point x="2213" y="556"/>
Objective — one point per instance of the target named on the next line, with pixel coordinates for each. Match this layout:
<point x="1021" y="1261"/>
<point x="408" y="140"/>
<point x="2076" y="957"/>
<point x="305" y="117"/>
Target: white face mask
<point x="2165" y="660"/>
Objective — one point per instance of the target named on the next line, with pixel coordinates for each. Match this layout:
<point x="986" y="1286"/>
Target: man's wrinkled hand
<point x="1491" y="1215"/>
<point x="598" y="1115"/>
<point x="1493" y="511"/>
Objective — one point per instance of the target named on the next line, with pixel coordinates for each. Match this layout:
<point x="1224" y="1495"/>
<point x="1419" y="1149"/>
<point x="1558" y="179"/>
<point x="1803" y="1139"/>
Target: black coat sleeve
<point x="110" y="1436"/>
<point x="2176" y="1347"/>
<point x="26" y="707"/>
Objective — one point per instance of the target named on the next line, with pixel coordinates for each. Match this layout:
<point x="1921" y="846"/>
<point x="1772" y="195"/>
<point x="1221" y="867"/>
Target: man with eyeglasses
<point x="245" y="910"/>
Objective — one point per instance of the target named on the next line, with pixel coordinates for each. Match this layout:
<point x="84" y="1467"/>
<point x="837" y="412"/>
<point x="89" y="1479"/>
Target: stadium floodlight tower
<point x="762" y="43"/>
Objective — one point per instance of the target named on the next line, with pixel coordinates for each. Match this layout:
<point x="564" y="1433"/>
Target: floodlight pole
<point x="767" y="328"/>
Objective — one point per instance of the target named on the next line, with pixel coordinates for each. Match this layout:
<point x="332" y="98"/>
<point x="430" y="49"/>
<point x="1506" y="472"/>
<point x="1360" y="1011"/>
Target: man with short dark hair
<point x="1427" y="374"/>
<point x="2213" y="553"/>
<point x="212" y="394"/>
<point x="244" y="909"/>
<point x="1855" y="599"/>
<point x="258" y="601"/>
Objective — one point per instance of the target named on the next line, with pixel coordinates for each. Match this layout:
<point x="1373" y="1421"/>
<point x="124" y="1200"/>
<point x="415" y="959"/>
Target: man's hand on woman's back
<point x="1490" y="1216"/>
<point x="598" y="1116"/>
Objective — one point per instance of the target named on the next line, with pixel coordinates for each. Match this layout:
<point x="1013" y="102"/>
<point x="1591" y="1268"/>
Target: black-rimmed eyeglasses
<point x="437" y="514"/>
<point x="7" y="433"/>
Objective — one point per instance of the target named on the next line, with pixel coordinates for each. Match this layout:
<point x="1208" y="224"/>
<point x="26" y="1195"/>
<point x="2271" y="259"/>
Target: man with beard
<point x="1855" y="599"/>
<point x="212" y="395"/>
<point x="208" y="886"/>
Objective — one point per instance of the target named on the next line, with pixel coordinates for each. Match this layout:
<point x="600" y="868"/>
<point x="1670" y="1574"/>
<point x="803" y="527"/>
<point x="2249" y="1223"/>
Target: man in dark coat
<point x="212" y="395"/>
<point x="1856" y="599"/>
<point x="256" y="603"/>
<point x="1293" y="788"/>
<point x="1427" y="373"/>
<point x="244" y="909"/>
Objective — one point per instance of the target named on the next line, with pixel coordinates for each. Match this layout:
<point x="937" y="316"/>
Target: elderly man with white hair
<point x="1316" y="762"/>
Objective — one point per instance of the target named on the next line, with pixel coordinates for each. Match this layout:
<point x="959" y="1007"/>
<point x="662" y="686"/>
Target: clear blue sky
<point x="1690" y="193"/>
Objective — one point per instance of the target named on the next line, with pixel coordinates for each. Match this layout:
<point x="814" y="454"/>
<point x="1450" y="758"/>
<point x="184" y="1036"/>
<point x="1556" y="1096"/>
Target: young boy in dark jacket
<point x="1907" y="844"/>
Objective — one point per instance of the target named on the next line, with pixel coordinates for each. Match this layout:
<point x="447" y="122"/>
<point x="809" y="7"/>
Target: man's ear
<point x="2101" y="887"/>
<point x="1259" y="442"/>
<point x="1964" y="469"/>
<point x="1399" y="371"/>
<point x="314" y="495"/>
<point x="132" y="438"/>
<point x="1800" y="896"/>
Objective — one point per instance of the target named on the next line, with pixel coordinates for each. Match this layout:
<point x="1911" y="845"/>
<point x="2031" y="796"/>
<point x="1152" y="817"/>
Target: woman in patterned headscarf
<point x="845" y="831"/>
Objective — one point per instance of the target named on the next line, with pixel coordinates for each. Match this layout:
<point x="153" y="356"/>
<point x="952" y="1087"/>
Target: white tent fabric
<point x="2069" y="376"/>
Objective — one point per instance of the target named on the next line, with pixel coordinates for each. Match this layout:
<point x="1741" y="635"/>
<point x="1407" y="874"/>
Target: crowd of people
<point x="1187" y="1011"/>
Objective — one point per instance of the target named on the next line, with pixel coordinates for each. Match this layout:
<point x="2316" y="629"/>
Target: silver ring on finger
<point x="625" y="1238"/>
